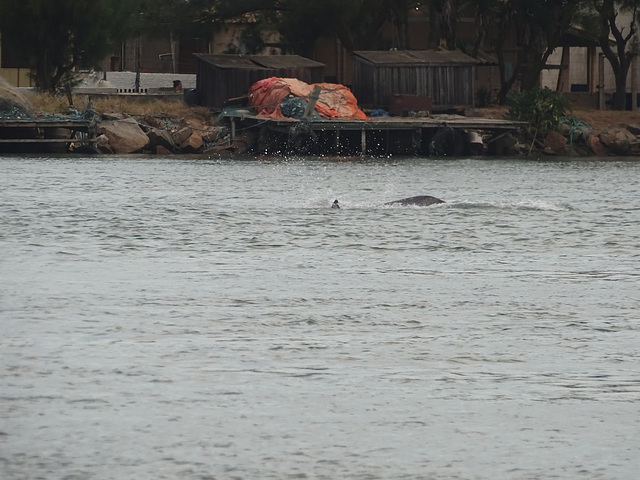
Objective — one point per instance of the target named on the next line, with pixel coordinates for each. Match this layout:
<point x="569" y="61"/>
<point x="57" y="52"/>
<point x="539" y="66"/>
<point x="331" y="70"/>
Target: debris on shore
<point x="200" y="131"/>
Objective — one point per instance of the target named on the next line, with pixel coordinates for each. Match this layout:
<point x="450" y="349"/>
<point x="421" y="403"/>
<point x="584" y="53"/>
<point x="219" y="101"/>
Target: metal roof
<point x="284" y="61"/>
<point x="415" y="57"/>
<point x="257" y="61"/>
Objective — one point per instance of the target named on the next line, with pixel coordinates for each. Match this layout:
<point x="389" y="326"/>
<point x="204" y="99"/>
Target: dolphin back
<point x="420" y="201"/>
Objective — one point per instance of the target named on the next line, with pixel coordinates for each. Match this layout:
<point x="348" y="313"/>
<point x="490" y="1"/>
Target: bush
<point x="542" y="108"/>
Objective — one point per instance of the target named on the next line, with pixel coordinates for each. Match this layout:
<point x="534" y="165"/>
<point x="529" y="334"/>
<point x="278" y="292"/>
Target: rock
<point x="154" y="121"/>
<point x="159" y="137"/>
<point x="160" y="150"/>
<point x="564" y="129"/>
<point x="555" y="144"/>
<point x="181" y="135"/>
<point x="192" y="144"/>
<point x="607" y="139"/>
<point x="196" y="122"/>
<point x="125" y="136"/>
<point x="617" y="142"/>
<point x="215" y="133"/>
<point x="114" y="116"/>
<point x="633" y="129"/>
<point x="596" y="146"/>
<point x="505" y="145"/>
<point x="102" y="143"/>
<point x="625" y="135"/>
<point x="621" y="147"/>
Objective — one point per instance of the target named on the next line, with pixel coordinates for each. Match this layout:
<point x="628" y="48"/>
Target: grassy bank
<point x="58" y="104"/>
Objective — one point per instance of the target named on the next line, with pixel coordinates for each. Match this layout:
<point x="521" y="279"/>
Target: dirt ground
<point x="597" y="119"/>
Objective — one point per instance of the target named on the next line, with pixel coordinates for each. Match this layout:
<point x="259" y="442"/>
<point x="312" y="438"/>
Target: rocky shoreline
<point x="197" y="133"/>
<point x="200" y="132"/>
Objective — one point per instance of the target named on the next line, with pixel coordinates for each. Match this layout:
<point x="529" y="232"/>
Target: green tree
<point x="58" y="36"/>
<point x="356" y="23"/>
<point x="537" y="26"/>
<point x="605" y="20"/>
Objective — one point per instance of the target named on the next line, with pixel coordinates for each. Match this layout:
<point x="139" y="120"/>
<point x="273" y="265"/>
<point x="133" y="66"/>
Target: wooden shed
<point x="221" y="77"/>
<point x="448" y="77"/>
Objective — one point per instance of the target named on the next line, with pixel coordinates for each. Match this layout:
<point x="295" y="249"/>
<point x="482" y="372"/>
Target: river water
<point x="188" y="318"/>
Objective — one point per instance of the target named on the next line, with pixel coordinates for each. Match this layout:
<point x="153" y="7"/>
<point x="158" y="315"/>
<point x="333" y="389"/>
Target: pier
<point x="46" y="134"/>
<point x="437" y="135"/>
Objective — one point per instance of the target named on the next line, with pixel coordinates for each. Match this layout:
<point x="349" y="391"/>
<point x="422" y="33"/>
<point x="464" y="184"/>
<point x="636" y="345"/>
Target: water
<point x="180" y="318"/>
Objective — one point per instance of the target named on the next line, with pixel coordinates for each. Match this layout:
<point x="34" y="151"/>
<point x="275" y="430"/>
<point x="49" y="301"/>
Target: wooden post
<point x="313" y="99"/>
<point x="363" y="138"/>
<point x="591" y="69"/>
<point x="601" y="82"/>
<point x="138" y="63"/>
<point x="564" y="74"/>
<point x="174" y="52"/>
<point x="634" y="88"/>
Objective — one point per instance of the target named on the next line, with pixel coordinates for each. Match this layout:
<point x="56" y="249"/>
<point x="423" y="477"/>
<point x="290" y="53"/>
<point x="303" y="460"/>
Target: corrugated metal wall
<point x="448" y="85"/>
<point x="216" y="85"/>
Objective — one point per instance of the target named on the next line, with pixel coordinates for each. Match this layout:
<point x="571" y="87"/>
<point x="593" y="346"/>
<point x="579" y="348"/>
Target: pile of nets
<point x="13" y="104"/>
<point x="288" y="97"/>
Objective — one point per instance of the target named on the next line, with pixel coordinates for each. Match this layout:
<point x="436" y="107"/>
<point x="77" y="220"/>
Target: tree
<point x="537" y="26"/>
<point x="606" y="21"/>
<point x="356" y="23"/>
<point x="58" y="36"/>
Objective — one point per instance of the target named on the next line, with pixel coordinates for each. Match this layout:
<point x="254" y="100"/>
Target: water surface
<point x="166" y="318"/>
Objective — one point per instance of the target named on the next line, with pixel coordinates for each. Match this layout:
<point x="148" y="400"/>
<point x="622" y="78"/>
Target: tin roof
<point x="257" y="61"/>
<point x="415" y="57"/>
<point x="284" y="61"/>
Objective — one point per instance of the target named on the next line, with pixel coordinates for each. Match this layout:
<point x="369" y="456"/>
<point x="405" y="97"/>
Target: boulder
<point x="555" y="144"/>
<point x="504" y="145"/>
<point x="192" y="144"/>
<point x="159" y="137"/>
<point x="154" y="121"/>
<point x="617" y="142"/>
<point x="114" y="116"/>
<point x="596" y="146"/>
<point x="160" y="150"/>
<point x="102" y="143"/>
<point x="214" y="133"/>
<point x="181" y="135"/>
<point x="634" y="129"/>
<point x="608" y="139"/>
<point x="625" y="135"/>
<point x="125" y="136"/>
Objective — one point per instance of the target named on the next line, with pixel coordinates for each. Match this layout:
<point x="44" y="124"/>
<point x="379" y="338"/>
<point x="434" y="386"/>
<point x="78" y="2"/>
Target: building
<point x="447" y="77"/>
<point x="223" y="76"/>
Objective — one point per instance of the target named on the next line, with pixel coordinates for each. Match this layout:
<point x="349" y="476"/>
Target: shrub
<point x="542" y="108"/>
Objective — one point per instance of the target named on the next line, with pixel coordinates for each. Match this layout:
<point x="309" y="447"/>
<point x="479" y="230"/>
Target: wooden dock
<point x="46" y="134"/>
<point x="435" y="135"/>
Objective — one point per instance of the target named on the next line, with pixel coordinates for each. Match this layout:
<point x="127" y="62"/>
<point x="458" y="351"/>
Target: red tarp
<point x="335" y="101"/>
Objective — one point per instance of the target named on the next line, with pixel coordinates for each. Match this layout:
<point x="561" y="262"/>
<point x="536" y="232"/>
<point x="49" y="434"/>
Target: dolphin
<point x="420" y="201"/>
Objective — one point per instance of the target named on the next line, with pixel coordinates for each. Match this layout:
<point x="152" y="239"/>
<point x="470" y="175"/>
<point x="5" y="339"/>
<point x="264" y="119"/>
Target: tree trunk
<point x="44" y="82"/>
<point x="620" y="101"/>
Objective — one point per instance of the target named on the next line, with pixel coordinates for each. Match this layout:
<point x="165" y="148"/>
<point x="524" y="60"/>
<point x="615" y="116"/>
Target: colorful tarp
<point x="335" y="101"/>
